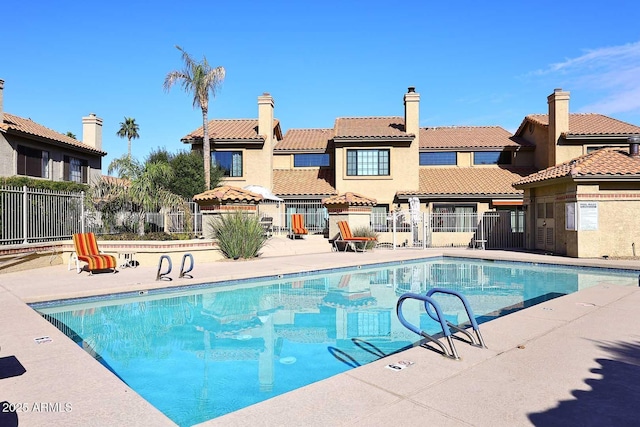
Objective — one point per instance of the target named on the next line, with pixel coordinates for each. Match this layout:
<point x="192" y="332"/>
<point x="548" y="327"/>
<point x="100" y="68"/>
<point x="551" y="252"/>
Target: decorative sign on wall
<point x="587" y="216"/>
<point x="570" y="216"/>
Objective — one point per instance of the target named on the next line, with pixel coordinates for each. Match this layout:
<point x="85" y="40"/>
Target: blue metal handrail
<point x="163" y="275"/>
<point x="434" y="311"/>
<point x="467" y="308"/>
<point x="183" y="272"/>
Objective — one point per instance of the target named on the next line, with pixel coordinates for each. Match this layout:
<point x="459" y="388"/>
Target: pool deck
<point x="574" y="360"/>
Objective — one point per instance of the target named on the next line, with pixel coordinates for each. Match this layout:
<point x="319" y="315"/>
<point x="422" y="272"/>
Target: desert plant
<point x="366" y="232"/>
<point x="199" y="79"/>
<point x="239" y="234"/>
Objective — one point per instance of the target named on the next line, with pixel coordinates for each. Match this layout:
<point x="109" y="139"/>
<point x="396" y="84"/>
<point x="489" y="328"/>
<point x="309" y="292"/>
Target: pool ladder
<point x="164" y="275"/>
<point x="434" y="311"/>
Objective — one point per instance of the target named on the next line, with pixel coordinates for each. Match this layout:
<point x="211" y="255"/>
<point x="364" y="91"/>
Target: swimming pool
<point x="201" y="352"/>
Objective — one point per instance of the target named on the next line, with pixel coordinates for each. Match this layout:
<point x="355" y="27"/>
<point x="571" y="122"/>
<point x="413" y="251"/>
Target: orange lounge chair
<point x="297" y="226"/>
<point x="87" y="250"/>
<point x="347" y="237"/>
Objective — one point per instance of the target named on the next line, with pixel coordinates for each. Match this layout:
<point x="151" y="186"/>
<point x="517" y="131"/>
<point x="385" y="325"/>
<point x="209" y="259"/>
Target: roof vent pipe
<point x="634" y="143"/>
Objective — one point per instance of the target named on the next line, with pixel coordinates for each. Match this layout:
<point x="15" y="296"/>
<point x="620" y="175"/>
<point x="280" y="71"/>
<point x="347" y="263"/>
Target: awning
<point x="506" y="202"/>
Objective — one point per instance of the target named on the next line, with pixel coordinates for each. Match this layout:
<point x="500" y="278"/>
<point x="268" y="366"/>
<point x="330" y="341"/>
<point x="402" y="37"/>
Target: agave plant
<point x="239" y="234"/>
<point x="366" y="232"/>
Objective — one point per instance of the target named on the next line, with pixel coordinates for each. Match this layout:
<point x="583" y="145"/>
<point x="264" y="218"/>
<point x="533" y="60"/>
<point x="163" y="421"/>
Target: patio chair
<point x="87" y="250"/>
<point x="267" y="225"/>
<point x="348" y="239"/>
<point x="297" y="226"/>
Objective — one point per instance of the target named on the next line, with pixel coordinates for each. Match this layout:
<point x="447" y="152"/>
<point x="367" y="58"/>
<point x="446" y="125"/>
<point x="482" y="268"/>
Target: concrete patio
<point x="574" y="360"/>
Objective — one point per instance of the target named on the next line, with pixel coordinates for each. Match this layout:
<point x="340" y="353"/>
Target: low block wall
<point x="146" y="253"/>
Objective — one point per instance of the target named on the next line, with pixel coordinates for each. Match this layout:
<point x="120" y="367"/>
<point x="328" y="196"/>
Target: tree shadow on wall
<point x="614" y="399"/>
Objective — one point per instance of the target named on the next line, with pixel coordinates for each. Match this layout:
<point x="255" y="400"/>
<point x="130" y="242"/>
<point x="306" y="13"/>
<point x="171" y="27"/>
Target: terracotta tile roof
<point x="303" y="182"/>
<point x="586" y="124"/>
<point x="351" y="199"/>
<point x="454" y="137"/>
<point x="370" y="128"/>
<point x="305" y="140"/>
<point x="17" y="124"/>
<point x="232" y="129"/>
<point x="114" y="180"/>
<point x="228" y="193"/>
<point x="607" y="162"/>
<point x="476" y="181"/>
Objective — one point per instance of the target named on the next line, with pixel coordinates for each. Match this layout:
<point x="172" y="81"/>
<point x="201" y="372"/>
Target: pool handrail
<point x="183" y="272"/>
<point x="164" y="275"/>
<point x="453" y="354"/>
<point x="470" y="315"/>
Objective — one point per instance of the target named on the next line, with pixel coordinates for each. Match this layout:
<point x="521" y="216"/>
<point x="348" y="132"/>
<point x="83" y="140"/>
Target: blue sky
<point x="474" y="63"/>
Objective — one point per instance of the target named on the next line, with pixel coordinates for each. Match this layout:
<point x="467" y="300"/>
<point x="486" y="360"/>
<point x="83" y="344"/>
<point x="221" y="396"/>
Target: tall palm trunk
<point x="206" y="149"/>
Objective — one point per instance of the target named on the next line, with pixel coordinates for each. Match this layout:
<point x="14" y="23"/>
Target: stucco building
<point x="30" y="149"/>
<point x="455" y="171"/>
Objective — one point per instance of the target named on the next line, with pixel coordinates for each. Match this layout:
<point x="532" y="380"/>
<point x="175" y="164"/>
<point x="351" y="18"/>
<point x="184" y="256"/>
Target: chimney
<point x="1" y="97"/>
<point x="411" y="126"/>
<point x="92" y="131"/>
<point x="264" y="175"/>
<point x="634" y="143"/>
<point x="412" y="111"/>
<point x="558" y="122"/>
<point x="265" y="119"/>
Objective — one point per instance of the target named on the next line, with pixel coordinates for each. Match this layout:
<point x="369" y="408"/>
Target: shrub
<point x="239" y="235"/>
<point x="366" y="232"/>
<point x="43" y="184"/>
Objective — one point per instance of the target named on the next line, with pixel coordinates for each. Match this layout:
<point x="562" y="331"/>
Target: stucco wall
<point x="8" y="158"/>
<point x="404" y="173"/>
<point x="618" y="210"/>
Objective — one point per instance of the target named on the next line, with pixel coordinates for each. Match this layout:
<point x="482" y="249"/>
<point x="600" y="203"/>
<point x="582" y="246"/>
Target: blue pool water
<point x="205" y="351"/>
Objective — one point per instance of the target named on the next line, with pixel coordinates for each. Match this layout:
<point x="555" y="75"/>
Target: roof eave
<point x="602" y="177"/>
<point x="465" y="196"/>
<point x="45" y="140"/>
<point x="300" y="150"/>
<point x="387" y="138"/>
<point x="199" y="140"/>
<point x="575" y="136"/>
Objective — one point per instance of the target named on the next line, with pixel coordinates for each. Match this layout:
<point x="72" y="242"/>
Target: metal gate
<point x="492" y="230"/>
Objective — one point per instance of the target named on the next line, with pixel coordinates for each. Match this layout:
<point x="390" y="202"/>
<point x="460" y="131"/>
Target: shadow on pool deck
<point x="571" y="360"/>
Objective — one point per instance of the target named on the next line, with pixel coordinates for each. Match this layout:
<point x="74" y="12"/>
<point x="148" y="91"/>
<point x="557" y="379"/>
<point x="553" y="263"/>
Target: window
<point x="492" y="158"/>
<point x="75" y="170"/>
<point x="454" y="218"/>
<point x="367" y="162"/>
<point x="306" y="160"/>
<point x="229" y="161"/>
<point x="517" y="218"/>
<point x="33" y="162"/>
<point x="438" y="158"/>
<point x="544" y="210"/>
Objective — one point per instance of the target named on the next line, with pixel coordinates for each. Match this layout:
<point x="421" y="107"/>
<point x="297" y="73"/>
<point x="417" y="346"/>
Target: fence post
<point x="25" y="215"/>
<point x="394" y="230"/>
<point x="424" y="230"/>
<point x="82" y="216"/>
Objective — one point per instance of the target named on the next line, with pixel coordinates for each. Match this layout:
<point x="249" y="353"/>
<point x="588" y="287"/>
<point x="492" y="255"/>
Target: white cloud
<point x="611" y="72"/>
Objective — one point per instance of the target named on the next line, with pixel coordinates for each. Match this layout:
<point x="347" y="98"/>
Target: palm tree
<point x="141" y="188"/>
<point x="128" y="129"/>
<point x="199" y="78"/>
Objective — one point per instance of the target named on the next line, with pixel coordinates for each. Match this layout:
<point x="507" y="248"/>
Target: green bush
<point x="42" y="184"/>
<point x="239" y="235"/>
<point x="366" y="232"/>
